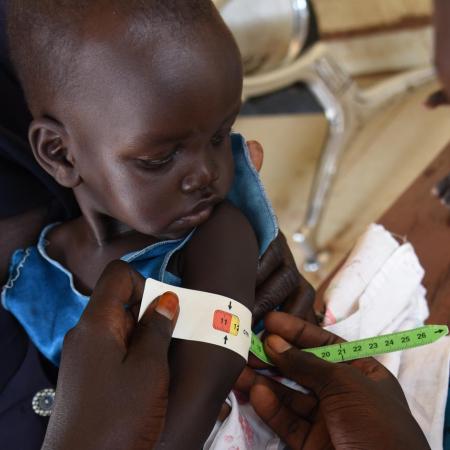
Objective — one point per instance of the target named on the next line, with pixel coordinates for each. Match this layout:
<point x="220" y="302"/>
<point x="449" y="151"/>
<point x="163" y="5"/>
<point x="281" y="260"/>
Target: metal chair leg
<point x="346" y="108"/>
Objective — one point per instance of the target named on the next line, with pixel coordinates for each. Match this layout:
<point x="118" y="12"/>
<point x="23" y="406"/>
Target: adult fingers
<point x="291" y="428"/>
<point x="110" y="308"/>
<point x="224" y="412"/>
<point x="153" y="333"/>
<point x="436" y="99"/>
<point x="272" y="259"/>
<point x="246" y="380"/>
<point x="442" y="186"/>
<point x="301" y="302"/>
<point x="298" y="332"/>
<point x="446" y="198"/>
<point x="302" y="367"/>
<point x="256" y="154"/>
<point x="119" y="286"/>
<point x="274" y="291"/>
<point x="319" y="437"/>
<point x="300" y="403"/>
<point x="290" y="332"/>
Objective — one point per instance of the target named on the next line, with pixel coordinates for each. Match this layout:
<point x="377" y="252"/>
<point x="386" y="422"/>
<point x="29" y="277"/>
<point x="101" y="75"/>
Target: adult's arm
<point x="359" y="405"/>
<point x="441" y="20"/>
<point x="114" y="375"/>
<point x="279" y="284"/>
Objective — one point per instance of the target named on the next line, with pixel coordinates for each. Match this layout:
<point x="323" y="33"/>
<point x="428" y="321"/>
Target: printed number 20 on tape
<point x="206" y="317"/>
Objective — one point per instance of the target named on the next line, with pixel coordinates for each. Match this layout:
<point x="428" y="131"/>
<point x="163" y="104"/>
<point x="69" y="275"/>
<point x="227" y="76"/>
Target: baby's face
<point x="150" y="133"/>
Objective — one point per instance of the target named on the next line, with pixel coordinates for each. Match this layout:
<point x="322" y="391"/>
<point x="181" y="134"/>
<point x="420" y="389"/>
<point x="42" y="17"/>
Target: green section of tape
<point x="257" y="348"/>
<point x="363" y="348"/>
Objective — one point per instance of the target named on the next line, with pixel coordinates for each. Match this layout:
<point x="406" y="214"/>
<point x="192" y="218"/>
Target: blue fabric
<point x="40" y="292"/>
<point x="248" y="195"/>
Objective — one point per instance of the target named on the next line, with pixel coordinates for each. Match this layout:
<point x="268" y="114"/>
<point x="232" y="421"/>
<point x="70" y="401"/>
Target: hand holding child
<point x="279" y="283"/>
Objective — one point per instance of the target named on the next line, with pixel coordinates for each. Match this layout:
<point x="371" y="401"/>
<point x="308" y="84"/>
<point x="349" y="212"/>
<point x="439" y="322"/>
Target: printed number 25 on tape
<point x="206" y="317"/>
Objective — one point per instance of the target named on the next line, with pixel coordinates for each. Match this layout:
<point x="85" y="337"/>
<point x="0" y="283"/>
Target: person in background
<point x="441" y="21"/>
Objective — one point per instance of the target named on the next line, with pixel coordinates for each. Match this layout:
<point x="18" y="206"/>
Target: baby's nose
<point x="201" y="176"/>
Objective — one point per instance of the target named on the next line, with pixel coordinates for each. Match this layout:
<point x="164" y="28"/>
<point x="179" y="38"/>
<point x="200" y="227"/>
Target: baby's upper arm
<point x="222" y="256"/>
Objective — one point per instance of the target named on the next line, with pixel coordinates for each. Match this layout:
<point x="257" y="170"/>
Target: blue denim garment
<point x="40" y="292"/>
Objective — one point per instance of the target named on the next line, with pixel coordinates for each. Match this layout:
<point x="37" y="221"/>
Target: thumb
<point x="153" y="333"/>
<point x="256" y="154"/>
<point x="304" y="368"/>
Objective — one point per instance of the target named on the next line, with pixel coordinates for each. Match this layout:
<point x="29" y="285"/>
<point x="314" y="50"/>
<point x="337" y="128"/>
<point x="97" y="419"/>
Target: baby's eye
<point x="158" y="163"/>
<point x="218" y="138"/>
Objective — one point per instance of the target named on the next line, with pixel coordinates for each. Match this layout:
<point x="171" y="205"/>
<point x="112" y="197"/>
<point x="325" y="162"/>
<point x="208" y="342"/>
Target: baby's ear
<point x="50" y="144"/>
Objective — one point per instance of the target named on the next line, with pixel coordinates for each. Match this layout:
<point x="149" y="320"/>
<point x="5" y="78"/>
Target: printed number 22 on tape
<point x="206" y="317"/>
<point x="377" y="345"/>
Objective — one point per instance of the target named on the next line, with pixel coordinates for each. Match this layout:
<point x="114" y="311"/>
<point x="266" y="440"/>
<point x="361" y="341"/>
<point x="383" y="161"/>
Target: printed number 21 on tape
<point x="363" y="348"/>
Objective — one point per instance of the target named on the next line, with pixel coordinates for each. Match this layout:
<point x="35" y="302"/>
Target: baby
<point x="133" y="103"/>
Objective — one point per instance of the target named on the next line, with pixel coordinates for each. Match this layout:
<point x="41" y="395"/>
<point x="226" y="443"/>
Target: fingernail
<point x="278" y="344"/>
<point x="167" y="305"/>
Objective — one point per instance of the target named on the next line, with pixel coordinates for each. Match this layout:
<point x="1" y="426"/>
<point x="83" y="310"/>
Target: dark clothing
<point x="23" y="183"/>
<point x="23" y="186"/>
<point x="22" y="375"/>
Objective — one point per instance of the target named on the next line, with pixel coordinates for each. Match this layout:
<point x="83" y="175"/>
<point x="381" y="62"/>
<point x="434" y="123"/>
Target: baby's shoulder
<point x="226" y="219"/>
<point x="60" y="239"/>
<point x="227" y="231"/>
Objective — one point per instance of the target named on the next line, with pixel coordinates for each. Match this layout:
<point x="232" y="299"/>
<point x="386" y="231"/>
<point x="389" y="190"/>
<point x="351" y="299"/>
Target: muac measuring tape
<point x="221" y="321"/>
<point x="363" y="348"/>
<point x="206" y="317"/>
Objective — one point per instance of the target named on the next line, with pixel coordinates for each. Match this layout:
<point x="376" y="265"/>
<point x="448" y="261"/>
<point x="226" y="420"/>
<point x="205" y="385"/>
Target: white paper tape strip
<point x="206" y="317"/>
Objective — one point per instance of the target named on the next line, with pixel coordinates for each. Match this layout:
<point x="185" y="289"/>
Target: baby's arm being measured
<point x="221" y="258"/>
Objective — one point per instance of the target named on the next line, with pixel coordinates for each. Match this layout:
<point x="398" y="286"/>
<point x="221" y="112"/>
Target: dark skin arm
<point x="280" y="284"/>
<point x="278" y="281"/>
<point x="114" y="375"/>
<point x="221" y="258"/>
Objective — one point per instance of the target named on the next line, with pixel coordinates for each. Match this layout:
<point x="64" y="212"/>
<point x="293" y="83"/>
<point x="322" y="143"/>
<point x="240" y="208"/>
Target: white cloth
<point x="377" y="291"/>
<point x="242" y="430"/>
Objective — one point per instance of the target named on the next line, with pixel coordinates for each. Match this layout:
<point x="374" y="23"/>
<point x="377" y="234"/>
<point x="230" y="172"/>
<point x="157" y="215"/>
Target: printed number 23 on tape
<point x="362" y="348"/>
<point x="206" y="317"/>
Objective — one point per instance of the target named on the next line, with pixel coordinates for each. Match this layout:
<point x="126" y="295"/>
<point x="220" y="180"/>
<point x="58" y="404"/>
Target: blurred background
<point x="335" y="93"/>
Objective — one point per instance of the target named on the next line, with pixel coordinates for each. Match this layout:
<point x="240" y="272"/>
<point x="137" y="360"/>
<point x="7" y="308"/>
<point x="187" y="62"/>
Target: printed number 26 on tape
<point x="378" y="345"/>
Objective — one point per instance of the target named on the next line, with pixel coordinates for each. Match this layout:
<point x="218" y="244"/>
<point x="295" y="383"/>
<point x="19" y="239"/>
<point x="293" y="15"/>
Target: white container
<point x="270" y="33"/>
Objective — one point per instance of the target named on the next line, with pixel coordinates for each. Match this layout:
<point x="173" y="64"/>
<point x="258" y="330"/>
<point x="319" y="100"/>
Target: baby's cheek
<point x="227" y="178"/>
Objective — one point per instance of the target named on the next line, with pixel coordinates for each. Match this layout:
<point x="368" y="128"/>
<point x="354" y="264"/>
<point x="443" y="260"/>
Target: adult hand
<point x="442" y="191"/>
<point x="358" y="405"/>
<point x="279" y="283"/>
<point x="114" y="377"/>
